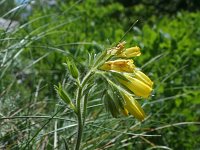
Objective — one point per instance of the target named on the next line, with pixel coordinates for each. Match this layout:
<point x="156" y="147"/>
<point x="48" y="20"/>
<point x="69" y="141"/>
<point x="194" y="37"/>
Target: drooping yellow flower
<point x="130" y="52"/>
<point x="133" y="107"/>
<point x="120" y="65"/>
<point x="142" y="77"/>
<point x="138" y="87"/>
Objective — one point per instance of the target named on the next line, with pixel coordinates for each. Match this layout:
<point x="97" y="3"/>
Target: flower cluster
<point x="133" y="81"/>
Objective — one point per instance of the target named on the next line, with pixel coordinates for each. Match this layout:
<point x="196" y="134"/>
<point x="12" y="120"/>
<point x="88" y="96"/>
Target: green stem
<point x="80" y="114"/>
<point x="79" y="117"/>
<point x="80" y="132"/>
<point x="85" y="108"/>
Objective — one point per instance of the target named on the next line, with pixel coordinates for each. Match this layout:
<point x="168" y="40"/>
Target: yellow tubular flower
<point x="133" y="107"/>
<point x="142" y="77"/>
<point x="138" y="87"/>
<point x="130" y="52"/>
<point x="120" y="65"/>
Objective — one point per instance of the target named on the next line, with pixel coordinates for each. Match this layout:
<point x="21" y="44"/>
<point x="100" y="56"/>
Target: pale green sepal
<point x="72" y="68"/>
<point x="64" y="96"/>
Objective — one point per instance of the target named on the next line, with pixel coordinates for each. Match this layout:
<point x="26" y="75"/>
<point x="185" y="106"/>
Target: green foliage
<point x="6" y="7"/>
<point x="31" y="63"/>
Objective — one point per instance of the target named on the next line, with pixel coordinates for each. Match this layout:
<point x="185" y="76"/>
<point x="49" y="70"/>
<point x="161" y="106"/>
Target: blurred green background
<point x="36" y="36"/>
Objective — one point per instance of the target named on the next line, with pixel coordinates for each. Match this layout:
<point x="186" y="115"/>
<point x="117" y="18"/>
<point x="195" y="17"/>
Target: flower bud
<point x="133" y="106"/>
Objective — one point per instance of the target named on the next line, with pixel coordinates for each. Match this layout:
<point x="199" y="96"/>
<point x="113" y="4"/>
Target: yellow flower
<point x="133" y="107"/>
<point x="130" y="52"/>
<point x="142" y="77"/>
<point x="138" y="87"/>
<point x="120" y="65"/>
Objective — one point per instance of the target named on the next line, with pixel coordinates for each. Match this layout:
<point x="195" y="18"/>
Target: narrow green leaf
<point x="110" y="105"/>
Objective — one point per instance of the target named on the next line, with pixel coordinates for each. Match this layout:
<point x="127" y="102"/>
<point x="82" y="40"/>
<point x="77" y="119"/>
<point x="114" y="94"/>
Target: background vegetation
<point x="31" y="62"/>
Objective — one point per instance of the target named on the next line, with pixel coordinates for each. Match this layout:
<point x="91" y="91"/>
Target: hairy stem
<point x="82" y="98"/>
<point x="79" y="117"/>
<point x="79" y="105"/>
